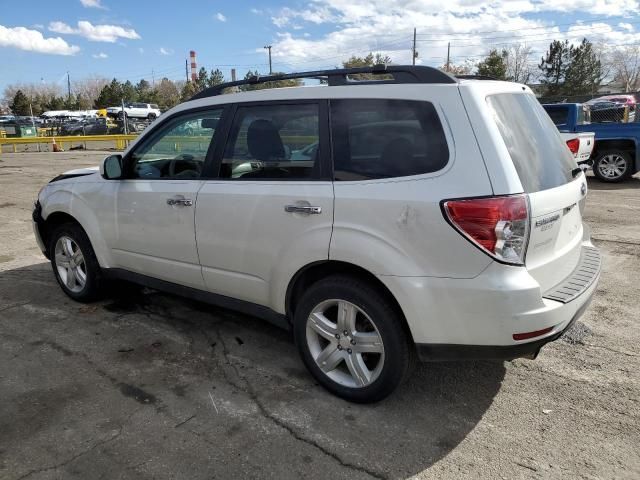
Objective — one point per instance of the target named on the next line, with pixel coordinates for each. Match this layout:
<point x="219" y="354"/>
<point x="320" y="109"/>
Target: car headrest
<point x="264" y="142"/>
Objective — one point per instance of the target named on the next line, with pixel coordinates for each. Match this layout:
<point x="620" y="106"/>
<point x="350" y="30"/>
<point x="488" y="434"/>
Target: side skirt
<point x="255" y="310"/>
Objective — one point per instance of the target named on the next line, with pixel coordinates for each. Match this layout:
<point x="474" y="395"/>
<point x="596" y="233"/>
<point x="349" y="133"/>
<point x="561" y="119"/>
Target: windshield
<point x="539" y="155"/>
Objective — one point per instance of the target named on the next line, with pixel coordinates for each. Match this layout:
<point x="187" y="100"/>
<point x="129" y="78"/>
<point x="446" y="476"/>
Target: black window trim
<point x="325" y="173"/>
<point x="160" y="128"/>
<point x="338" y="129"/>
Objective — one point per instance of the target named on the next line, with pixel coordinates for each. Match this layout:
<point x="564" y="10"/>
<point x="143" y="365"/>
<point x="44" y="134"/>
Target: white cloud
<point x="256" y="11"/>
<point x="95" y="33"/>
<point x="92" y="4"/>
<point x="33" y="41"/>
<point x="165" y="51"/>
<point x="356" y="27"/>
<point x="100" y="55"/>
<point x="221" y="17"/>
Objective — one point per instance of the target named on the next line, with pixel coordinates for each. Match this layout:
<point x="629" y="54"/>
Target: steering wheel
<point x="187" y="158"/>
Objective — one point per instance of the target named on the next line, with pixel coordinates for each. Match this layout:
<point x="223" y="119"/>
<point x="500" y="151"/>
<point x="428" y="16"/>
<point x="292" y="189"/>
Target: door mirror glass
<point x="112" y="167"/>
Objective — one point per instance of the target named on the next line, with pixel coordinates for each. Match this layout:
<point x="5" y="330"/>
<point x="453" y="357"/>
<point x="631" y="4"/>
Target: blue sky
<point x="42" y="40"/>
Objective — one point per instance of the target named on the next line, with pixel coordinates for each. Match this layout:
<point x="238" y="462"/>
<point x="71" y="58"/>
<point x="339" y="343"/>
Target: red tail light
<point x="497" y="225"/>
<point x="574" y="145"/>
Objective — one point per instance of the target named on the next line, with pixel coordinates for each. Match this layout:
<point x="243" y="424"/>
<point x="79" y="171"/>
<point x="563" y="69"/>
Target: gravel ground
<point x="153" y="386"/>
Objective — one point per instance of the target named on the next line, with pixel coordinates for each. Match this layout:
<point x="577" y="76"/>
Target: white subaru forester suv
<point x="431" y="217"/>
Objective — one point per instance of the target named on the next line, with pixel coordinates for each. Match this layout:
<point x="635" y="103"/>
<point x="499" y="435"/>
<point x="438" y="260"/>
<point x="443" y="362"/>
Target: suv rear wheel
<point x="74" y="263"/>
<point x="612" y="166"/>
<point x="351" y="339"/>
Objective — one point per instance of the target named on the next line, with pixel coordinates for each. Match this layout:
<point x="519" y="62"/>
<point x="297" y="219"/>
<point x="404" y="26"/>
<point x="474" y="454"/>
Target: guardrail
<point x="121" y="141"/>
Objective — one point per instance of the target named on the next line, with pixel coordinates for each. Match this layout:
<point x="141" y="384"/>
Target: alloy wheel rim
<point x="70" y="263"/>
<point x="345" y="343"/>
<point x="612" y="166"/>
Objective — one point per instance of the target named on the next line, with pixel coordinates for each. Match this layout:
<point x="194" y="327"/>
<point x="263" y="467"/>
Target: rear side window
<point x="386" y="138"/>
<point x="559" y="116"/>
<point x="539" y="155"/>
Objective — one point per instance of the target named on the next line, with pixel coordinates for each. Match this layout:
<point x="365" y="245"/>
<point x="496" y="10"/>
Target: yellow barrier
<point x="121" y="140"/>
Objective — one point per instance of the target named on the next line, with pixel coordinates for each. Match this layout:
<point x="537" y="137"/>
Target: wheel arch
<point x="316" y="271"/>
<point x="624" y="144"/>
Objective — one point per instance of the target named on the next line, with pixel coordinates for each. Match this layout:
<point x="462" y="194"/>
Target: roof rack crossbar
<point x="340" y="76"/>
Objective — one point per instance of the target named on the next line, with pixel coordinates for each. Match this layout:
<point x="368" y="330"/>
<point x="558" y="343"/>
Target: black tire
<point x="91" y="290"/>
<point x="599" y="168"/>
<point x="398" y="351"/>
<point x="151" y="117"/>
<point x="120" y="115"/>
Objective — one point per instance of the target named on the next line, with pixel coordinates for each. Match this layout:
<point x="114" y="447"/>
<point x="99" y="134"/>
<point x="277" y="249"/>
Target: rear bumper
<point x="443" y="352"/>
<point x="478" y="317"/>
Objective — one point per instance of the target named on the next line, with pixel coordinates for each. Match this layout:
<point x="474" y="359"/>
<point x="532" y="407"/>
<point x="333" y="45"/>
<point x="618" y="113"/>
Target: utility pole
<point x="153" y="78"/>
<point x="186" y="69"/>
<point x="68" y="88"/>
<point x="448" y="54"/>
<point x="268" y="47"/>
<point x="414" y="53"/>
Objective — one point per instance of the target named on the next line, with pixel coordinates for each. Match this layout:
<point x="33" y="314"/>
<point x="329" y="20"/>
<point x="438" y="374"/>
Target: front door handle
<point x="308" y="209"/>
<point x="180" y="202"/>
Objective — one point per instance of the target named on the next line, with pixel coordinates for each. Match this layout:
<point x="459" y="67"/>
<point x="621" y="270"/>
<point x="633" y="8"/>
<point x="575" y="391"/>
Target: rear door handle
<point x="180" y="202"/>
<point x="308" y="209"/>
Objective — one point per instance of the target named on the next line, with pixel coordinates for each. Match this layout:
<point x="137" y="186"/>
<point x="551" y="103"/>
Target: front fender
<point x="66" y="199"/>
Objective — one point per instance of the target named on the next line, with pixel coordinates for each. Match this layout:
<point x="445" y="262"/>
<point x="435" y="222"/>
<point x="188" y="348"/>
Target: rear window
<point x="539" y="155"/>
<point x="559" y="116"/>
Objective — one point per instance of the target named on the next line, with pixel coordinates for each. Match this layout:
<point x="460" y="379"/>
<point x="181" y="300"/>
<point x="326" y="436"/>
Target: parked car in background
<point x="85" y="126"/>
<point x="440" y="219"/>
<point x="150" y="111"/>
<point x="623" y="99"/>
<point x="615" y="154"/>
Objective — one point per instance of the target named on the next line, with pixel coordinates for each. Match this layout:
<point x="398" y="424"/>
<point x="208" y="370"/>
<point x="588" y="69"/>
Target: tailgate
<point x="555" y="239"/>
<point x="587" y="142"/>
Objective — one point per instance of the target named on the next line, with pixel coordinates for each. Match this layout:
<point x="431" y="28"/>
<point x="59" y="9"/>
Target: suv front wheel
<point x="351" y="339"/>
<point x="74" y="263"/>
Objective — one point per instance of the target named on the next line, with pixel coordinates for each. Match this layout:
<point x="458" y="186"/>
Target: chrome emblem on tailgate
<point x="547" y="220"/>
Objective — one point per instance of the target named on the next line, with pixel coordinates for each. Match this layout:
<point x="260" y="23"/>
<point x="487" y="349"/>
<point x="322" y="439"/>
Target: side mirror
<point x="111" y="167"/>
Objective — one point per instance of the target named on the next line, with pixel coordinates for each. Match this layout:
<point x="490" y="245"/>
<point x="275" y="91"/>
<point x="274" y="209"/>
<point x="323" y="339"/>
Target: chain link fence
<point x="609" y="108"/>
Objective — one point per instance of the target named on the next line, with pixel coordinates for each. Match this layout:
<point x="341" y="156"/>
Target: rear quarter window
<point x="539" y="155"/>
<point x="386" y="138"/>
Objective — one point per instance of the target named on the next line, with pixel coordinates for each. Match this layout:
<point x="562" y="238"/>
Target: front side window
<point x="386" y="138"/>
<point x="178" y="150"/>
<point x="273" y="142"/>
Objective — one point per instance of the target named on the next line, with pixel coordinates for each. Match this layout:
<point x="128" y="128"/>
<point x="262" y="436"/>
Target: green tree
<point x="187" y="92"/>
<point x="129" y="93"/>
<point x="110" y="96"/>
<point x="263" y="86"/>
<point x="584" y="73"/>
<point x="369" y="61"/>
<point x="168" y="95"/>
<point x="20" y="104"/>
<point x="494" y="65"/>
<point x="554" y="67"/>
<point x="54" y="103"/>
<point x="143" y="90"/>
<point x="216" y="78"/>
<point x="202" y="80"/>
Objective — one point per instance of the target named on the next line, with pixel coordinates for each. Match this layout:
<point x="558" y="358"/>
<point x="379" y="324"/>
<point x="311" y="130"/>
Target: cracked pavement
<point x="146" y="385"/>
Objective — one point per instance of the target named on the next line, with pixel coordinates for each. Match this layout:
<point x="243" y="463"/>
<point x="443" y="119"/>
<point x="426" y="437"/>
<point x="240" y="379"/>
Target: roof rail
<point x="475" y="77"/>
<point x="340" y="76"/>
